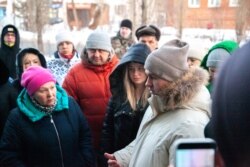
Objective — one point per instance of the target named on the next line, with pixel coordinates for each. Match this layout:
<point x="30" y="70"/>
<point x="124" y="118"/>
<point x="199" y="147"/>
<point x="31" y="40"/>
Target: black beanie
<point x="148" y="30"/>
<point x="126" y="23"/>
<point x="9" y="28"/>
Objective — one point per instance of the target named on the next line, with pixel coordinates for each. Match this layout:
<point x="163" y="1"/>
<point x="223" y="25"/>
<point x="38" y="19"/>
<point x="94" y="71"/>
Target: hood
<point x="228" y="45"/>
<point x="136" y="53"/>
<point x="21" y="54"/>
<point x="230" y="108"/>
<point x="187" y="92"/>
<point x="4" y="73"/>
<point x="4" y="31"/>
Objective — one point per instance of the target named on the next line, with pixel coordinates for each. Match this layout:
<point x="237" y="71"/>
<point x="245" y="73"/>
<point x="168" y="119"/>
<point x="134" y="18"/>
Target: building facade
<point x="210" y="14"/>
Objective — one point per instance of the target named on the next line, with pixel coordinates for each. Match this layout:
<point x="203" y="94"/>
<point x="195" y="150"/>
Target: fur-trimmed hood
<point x="187" y="92"/>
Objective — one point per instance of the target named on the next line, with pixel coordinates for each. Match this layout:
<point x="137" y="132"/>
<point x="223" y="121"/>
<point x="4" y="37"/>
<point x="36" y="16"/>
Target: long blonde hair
<point x="131" y="93"/>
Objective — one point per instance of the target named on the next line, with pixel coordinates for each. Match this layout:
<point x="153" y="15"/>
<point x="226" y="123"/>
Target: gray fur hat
<point x="169" y="62"/>
<point x="216" y="57"/>
<point x="99" y="40"/>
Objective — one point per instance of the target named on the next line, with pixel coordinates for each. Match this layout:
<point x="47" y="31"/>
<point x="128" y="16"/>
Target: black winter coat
<point x="63" y="138"/>
<point x="121" y="124"/>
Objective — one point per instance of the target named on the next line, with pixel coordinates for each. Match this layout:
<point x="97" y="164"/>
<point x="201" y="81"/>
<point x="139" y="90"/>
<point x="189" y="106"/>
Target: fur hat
<point x="99" y="40"/>
<point x="216" y="57"/>
<point x="126" y="23"/>
<point x="34" y="77"/>
<point x="169" y="61"/>
<point x="64" y="36"/>
<point x="148" y="30"/>
<point x="196" y="53"/>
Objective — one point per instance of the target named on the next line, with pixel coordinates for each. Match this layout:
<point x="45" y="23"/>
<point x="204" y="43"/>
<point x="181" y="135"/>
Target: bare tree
<point x="242" y="19"/>
<point x="179" y="15"/>
<point x="35" y="16"/>
<point x="75" y="14"/>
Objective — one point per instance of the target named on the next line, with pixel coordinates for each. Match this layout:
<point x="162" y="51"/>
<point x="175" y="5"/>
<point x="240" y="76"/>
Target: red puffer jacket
<point x="89" y="86"/>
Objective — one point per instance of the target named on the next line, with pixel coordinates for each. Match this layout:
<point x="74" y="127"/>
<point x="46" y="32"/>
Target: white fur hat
<point x="64" y="36"/>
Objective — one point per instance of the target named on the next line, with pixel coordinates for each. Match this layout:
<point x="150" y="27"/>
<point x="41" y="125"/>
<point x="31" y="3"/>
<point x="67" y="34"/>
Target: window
<point x="213" y="3"/>
<point x="2" y="12"/>
<point x="193" y="3"/>
<point x="233" y="3"/>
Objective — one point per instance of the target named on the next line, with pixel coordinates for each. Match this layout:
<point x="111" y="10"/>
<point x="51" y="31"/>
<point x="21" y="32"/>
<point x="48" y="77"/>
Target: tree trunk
<point x="180" y="18"/>
<point x="75" y="15"/>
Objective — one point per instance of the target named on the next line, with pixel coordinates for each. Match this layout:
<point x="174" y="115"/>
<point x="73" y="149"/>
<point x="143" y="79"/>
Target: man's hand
<point x="112" y="162"/>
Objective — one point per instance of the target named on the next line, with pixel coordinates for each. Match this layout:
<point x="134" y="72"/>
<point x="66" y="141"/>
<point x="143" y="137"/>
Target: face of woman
<point x="30" y="59"/>
<point x="137" y="74"/>
<point x="46" y="94"/>
<point x="65" y="48"/>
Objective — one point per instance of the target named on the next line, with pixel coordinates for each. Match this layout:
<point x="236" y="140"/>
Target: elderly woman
<point x="47" y="128"/>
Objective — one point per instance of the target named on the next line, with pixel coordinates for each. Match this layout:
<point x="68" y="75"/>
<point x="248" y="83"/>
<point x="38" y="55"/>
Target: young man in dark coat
<point x="10" y="46"/>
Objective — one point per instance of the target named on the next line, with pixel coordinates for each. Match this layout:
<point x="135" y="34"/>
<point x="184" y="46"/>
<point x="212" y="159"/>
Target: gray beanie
<point x="216" y="57"/>
<point x="99" y="40"/>
<point x="169" y="61"/>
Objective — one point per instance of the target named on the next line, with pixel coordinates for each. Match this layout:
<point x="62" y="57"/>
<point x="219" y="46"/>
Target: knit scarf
<point x="69" y="56"/>
<point x="35" y="111"/>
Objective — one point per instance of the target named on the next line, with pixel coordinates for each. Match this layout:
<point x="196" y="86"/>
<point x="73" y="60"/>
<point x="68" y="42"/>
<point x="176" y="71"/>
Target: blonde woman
<point x="129" y="100"/>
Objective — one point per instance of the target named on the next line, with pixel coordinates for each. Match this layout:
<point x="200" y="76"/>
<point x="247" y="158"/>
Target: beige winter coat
<point x="164" y="122"/>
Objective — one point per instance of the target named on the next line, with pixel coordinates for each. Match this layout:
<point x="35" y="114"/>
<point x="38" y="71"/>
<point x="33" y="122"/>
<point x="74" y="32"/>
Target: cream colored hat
<point x="169" y="61"/>
<point x="196" y="52"/>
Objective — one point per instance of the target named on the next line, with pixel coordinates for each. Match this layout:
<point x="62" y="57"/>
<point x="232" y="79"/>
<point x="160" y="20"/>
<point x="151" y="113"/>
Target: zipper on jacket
<point x="58" y="138"/>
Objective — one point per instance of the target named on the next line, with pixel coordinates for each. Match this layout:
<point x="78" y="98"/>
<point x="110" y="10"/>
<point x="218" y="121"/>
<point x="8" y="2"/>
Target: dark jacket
<point x="121" y="122"/>
<point x="230" y="109"/>
<point x="8" y="54"/>
<point x="7" y="96"/>
<point x="50" y="141"/>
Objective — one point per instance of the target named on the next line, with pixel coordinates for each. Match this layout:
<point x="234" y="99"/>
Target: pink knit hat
<point x="34" y="77"/>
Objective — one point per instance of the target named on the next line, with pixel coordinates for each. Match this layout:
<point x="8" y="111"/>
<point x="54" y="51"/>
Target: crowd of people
<point x="121" y="101"/>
